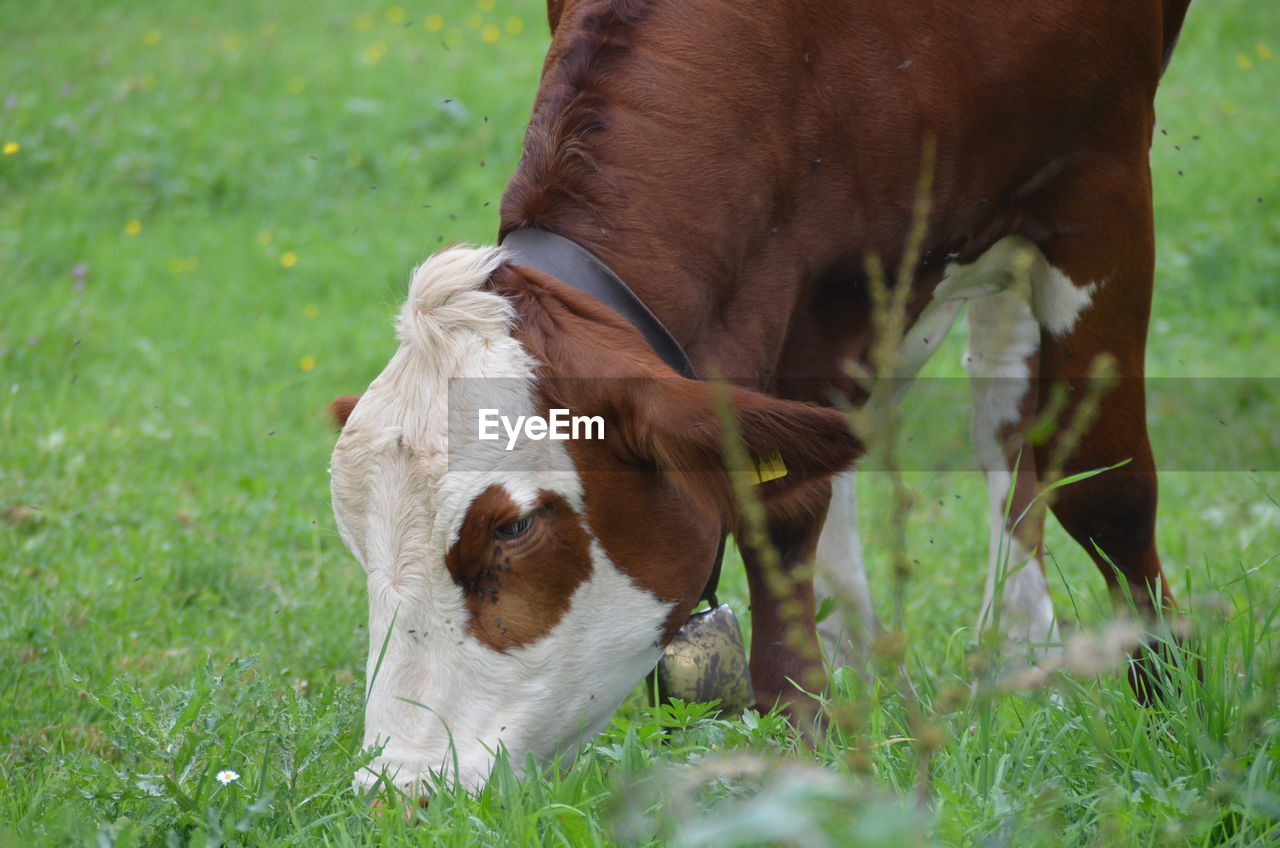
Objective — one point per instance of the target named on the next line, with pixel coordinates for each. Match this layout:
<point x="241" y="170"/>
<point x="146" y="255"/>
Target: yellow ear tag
<point x="770" y="467"/>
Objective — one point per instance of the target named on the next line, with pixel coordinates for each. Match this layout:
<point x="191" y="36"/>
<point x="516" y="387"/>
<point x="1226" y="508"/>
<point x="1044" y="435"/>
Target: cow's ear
<point x="678" y="425"/>
<point x="340" y="409"/>
<point x="555" y="8"/>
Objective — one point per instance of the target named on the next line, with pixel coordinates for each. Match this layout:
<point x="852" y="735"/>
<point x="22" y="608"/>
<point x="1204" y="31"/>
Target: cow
<point x="737" y="166"/>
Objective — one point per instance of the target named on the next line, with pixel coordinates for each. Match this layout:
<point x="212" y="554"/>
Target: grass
<point x="164" y="496"/>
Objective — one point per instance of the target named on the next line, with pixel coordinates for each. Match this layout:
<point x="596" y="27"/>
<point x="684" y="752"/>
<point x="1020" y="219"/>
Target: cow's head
<point x="517" y="596"/>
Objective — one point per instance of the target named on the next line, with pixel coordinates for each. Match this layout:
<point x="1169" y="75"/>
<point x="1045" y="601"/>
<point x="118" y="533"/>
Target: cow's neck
<point x="707" y="248"/>
<point x="575" y="266"/>
<point x="693" y="300"/>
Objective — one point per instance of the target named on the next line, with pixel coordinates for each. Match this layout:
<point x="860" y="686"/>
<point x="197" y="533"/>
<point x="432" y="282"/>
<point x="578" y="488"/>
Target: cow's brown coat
<point x="738" y="163"/>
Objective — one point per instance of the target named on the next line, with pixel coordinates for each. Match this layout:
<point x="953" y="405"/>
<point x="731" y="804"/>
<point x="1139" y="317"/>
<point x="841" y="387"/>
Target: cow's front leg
<point x="786" y="661"/>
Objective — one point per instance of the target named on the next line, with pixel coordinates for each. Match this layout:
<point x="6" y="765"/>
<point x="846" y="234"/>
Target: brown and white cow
<point x="737" y="163"/>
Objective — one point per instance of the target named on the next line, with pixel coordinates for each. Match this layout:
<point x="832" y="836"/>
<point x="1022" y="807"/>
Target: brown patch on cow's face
<point x="518" y="569"/>
<point x="651" y="529"/>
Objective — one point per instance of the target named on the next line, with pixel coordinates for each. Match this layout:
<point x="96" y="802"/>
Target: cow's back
<point x="810" y="117"/>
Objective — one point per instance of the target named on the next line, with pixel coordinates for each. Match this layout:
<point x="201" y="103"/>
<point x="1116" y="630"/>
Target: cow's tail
<point x="1175" y="11"/>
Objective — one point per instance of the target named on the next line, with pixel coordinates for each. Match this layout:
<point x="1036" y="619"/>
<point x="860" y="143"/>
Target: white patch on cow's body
<point x="1056" y="301"/>
<point x="847" y="632"/>
<point x="404" y="474"/>
<point x="1026" y="611"/>
<point x="1016" y="264"/>
<point x="1003" y="335"/>
<point x="1002" y="267"/>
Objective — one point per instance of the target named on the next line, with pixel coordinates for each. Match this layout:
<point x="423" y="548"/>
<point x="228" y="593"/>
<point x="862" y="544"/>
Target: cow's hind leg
<point x="1092" y="298"/>
<point x="1002" y="360"/>
<point x="840" y="581"/>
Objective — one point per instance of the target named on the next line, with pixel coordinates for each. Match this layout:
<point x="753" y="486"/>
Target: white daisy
<point x="227" y="776"/>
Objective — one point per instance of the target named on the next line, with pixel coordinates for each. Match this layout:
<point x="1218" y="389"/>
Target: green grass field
<point x="208" y="213"/>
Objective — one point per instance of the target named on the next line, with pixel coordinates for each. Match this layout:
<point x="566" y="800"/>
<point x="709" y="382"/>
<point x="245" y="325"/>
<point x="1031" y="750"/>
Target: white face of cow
<point x="539" y="664"/>
<point x="518" y="592"/>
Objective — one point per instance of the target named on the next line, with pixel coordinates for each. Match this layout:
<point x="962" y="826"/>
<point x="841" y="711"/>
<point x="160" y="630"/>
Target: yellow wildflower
<point x="11" y="147"/>
<point x="1263" y="51"/>
<point x="515" y="26"/>
<point x="433" y="23"/>
<point x="1243" y="62"/>
<point x="307" y="362"/>
<point x="288" y="259"/>
<point x="152" y="36"/>
<point x="394" y="15"/>
<point x="364" y="22"/>
<point x="490" y="34"/>
<point x="484" y="5"/>
<point x="133" y="227"/>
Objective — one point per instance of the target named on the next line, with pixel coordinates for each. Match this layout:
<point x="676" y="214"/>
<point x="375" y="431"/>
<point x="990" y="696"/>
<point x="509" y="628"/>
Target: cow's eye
<point x="513" y="530"/>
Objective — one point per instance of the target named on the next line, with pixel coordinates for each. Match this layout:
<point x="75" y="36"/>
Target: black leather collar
<point x="575" y="266"/>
